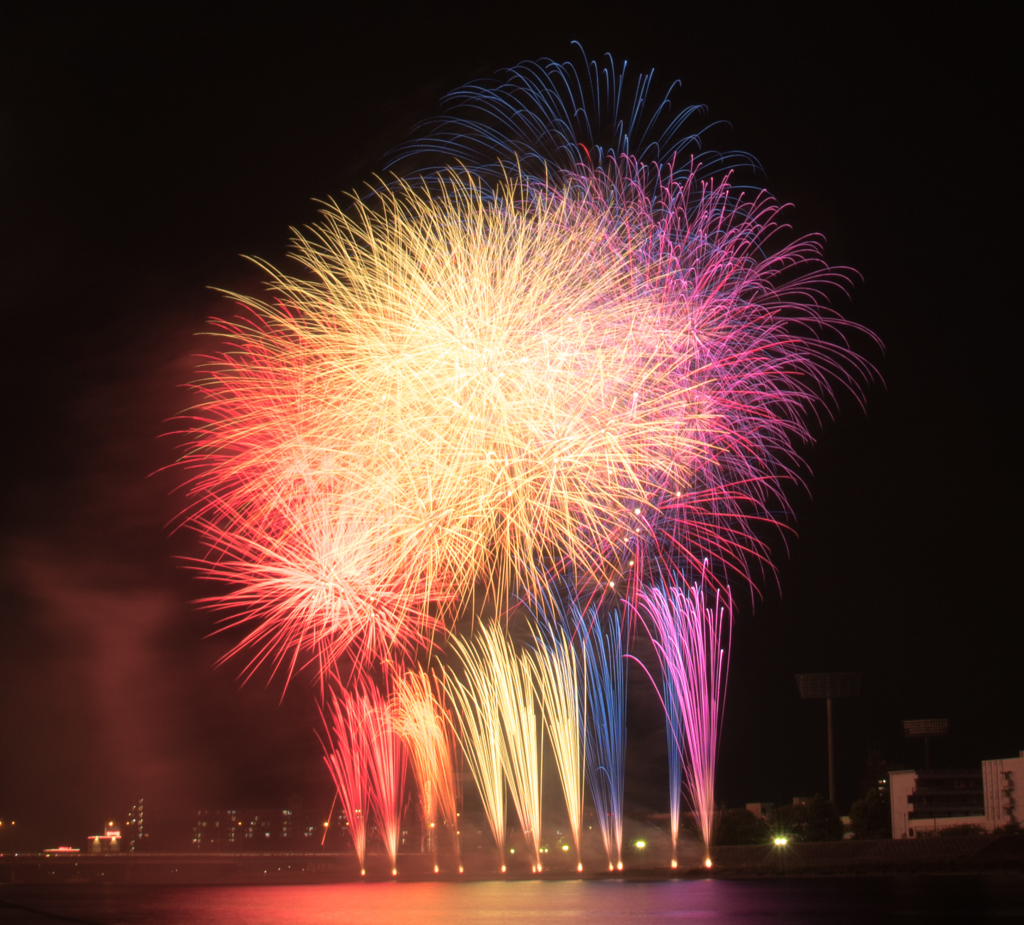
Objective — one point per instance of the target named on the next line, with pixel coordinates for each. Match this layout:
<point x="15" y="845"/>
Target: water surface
<point x="919" y="898"/>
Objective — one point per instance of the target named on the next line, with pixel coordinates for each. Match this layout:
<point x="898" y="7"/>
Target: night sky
<point x="142" y="150"/>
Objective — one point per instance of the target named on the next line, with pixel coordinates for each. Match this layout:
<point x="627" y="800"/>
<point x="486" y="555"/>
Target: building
<point x="135" y="833"/>
<point x="109" y="841"/>
<point x="255" y="830"/>
<point x="925" y="802"/>
<point x="1003" y="780"/>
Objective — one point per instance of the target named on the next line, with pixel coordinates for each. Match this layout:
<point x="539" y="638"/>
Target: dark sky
<point x="143" y="148"/>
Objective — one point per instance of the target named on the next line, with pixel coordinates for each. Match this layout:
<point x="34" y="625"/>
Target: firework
<point x="318" y="586"/>
<point x="387" y="765"/>
<point x="560" y="688"/>
<point x="348" y="759"/>
<point x="674" y="733"/>
<point x="691" y="637"/>
<point x="492" y="388"/>
<point x="480" y="394"/>
<point x="605" y="669"/>
<point x="583" y="360"/>
<point x="757" y="350"/>
<point x="546" y="117"/>
<point x="479" y="730"/>
<point x="508" y="680"/>
<point x="425" y="727"/>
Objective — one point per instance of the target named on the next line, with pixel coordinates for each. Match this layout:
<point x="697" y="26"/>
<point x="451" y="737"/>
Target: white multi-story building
<point x="924" y="802"/>
<point x="1004" y="781"/>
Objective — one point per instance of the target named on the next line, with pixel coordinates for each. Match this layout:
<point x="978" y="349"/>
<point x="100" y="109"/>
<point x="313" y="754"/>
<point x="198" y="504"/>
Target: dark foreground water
<point x="918" y="898"/>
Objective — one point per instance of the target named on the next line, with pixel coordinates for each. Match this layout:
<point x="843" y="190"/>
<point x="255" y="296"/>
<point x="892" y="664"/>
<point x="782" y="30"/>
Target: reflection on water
<point x="963" y="898"/>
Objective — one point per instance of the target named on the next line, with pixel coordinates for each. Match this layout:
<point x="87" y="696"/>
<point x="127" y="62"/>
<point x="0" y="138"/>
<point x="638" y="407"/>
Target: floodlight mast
<point x="925" y="729"/>
<point x="825" y="686"/>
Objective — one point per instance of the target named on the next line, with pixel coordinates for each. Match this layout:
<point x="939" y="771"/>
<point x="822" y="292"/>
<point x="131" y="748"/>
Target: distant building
<point x="255" y="830"/>
<point x="925" y="802"/>
<point x="109" y="841"/>
<point x="1003" y="779"/>
<point x="135" y="826"/>
<point x="760" y="810"/>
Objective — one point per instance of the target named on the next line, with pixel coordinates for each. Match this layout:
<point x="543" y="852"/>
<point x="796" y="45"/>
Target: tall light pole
<point x="826" y="686"/>
<point x="925" y="729"/>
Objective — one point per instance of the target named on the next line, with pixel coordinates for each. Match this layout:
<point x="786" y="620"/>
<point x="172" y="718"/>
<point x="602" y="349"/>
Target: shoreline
<point x="967" y="854"/>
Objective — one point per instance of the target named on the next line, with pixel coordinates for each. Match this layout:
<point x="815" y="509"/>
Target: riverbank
<point x="847" y="858"/>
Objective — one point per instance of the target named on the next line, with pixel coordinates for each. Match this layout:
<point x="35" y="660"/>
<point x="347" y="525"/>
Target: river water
<point x="912" y="898"/>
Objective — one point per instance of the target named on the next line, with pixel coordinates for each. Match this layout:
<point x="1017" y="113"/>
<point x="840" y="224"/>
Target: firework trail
<point x="691" y="637"/>
<point x="674" y="734"/>
<point x="424" y="725"/>
<point x="387" y="766"/>
<point x="605" y="668"/>
<point x="348" y="759"/>
<point x="508" y="679"/>
<point x="561" y="690"/>
<point x="480" y="735"/>
<point x="545" y="118"/>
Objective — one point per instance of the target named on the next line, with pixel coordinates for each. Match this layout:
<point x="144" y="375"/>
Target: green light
<point x="641" y="844"/>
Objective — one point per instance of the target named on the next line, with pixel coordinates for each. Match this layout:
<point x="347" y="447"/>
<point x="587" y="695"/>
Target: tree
<point x="740" y="827"/>
<point x="823" y="820"/>
<point x="817" y="820"/>
<point x="870" y="817"/>
<point x="966" y="828"/>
